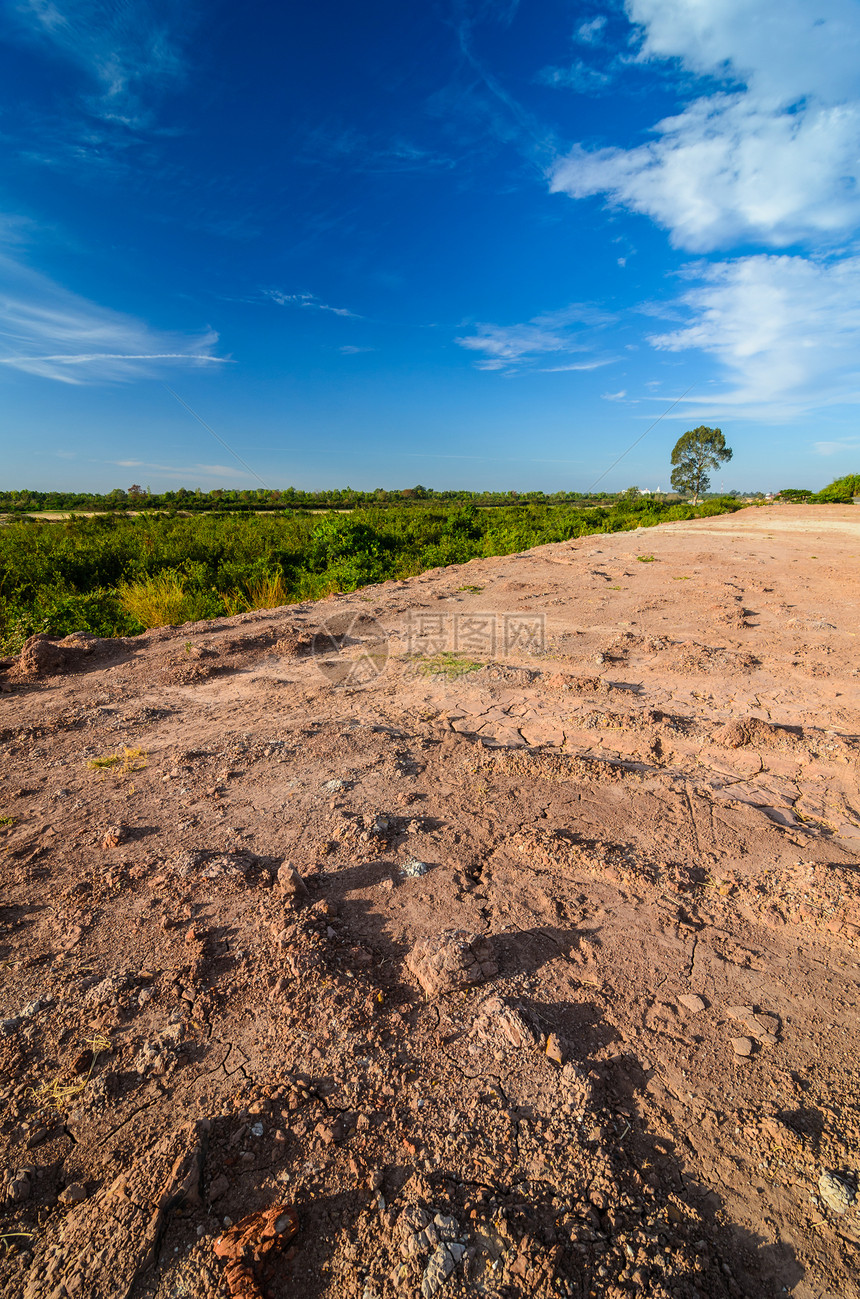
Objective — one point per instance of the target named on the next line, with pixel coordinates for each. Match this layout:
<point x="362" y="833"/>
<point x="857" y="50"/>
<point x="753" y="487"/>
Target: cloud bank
<point x="773" y="159"/>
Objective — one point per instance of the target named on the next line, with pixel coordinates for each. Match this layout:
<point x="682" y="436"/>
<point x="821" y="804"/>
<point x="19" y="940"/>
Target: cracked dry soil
<point x="536" y="980"/>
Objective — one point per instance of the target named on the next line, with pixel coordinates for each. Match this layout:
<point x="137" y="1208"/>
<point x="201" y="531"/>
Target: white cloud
<point x="48" y="331"/>
<point x="833" y="448"/>
<point x="306" y="300"/>
<point x="591" y="31"/>
<point x="580" y="365"/>
<point x="578" y="76"/>
<point x="773" y="159"/>
<point x="614" y="396"/>
<point x="129" y="50"/>
<point x="785" y="330"/>
<point x="507" y="347"/>
<point x="183" y="471"/>
<point x="783" y="52"/>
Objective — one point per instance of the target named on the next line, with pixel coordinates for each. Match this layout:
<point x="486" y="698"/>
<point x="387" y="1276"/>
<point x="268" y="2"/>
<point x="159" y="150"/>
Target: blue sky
<point x="478" y="243"/>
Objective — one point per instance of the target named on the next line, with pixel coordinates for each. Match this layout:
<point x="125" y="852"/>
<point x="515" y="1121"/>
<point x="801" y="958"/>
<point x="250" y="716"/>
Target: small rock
<point x="838" y="1191"/>
<point x="75" y="1193"/>
<point x="553" y="1048"/>
<point x="20" y="1187"/>
<point x="114" y="835"/>
<point x="414" y="869"/>
<point x="441" y="1265"/>
<point x="291" y="885"/>
<point x="220" y="1186"/>
<point x="742" y="1046"/>
<point x="692" y="1002"/>
<point x="503" y="1022"/>
<point x="454" y="959"/>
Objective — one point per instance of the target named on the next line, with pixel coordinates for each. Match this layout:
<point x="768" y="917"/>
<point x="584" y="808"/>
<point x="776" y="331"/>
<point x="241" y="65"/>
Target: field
<point x="116" y="575"/>
<point x="507" y="947"/>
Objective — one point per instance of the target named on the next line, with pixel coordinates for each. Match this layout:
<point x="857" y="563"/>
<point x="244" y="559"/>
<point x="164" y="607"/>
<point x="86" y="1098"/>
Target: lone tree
<point x="693" y="455"/>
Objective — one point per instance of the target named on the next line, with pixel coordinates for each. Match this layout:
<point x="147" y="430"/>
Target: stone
<point x="19" y="1187"/>
<point x="115" y="835"/>
<point x="291" y="885"/>
<point x="838" y="1191"/>
<point x="742" y="1046"/>
<point x="75" y="1193"/>
<point x="690" y="1001"/>
<point x="452" y="960"/>
<point x="553" y="1049"/>
<point x="414" y="869"/>
<point x="442" y="1262"/>
<point x="500" y="1020"/>
<point x="220" y="1186"/>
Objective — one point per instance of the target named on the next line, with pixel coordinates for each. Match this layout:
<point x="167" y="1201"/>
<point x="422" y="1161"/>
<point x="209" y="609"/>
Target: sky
<point x="468" y="243"/>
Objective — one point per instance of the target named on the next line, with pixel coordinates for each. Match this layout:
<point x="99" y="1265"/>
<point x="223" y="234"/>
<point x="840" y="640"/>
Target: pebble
<point x="838" y="1191"/>
<point x="692" y="1002"/>
<point x="414" y="869"/>
<point x="75" y="1193"/>
<point x="742" y="1046"/>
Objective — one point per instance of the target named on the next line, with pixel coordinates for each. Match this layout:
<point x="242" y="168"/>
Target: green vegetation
<point x="115" y="575"/>
<point x="840" y="492"/>
<point x="694" y="455"/>
<point x="138" y="499"/>
<point x="448" y="664"/>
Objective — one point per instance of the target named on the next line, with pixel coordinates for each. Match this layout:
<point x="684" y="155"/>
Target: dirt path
<point x="624" y="770"/>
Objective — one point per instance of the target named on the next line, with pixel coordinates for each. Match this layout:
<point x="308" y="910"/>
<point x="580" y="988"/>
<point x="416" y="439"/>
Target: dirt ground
<point x="495" y="932"/>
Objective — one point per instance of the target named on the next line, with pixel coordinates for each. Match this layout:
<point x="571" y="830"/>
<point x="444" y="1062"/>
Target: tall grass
<point x="160" y="600"/>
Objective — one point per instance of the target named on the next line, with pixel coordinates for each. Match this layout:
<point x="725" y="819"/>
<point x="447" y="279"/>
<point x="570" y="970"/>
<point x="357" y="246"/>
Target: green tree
<point x="694" y="455"/>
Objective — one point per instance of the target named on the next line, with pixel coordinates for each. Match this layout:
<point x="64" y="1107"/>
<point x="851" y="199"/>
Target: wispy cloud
<point x="576" y="76"/>
<point x="130" y="51"/>
<point x="834" y="448"/>
<point x="309" y="300"/>
<point x="183" y="471"/>
<point x="591" y="31"/>
<point x="48" y="331"/>
<point x="351" y="350"/>
<point x="579" y="365"/>
<point x="510" y="347"/>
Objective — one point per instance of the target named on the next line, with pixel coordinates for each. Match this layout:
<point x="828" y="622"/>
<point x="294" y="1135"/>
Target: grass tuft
<point x="160" y="601"/>
<point x="123" y="763"/>
<point x="646" y="559"/>
<point x="447" y="664"/>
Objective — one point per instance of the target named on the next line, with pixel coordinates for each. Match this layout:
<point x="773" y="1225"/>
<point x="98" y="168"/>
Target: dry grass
<point x="268" y="592"/>
<point x="123" y="764"/>
<point x="160" y="601"/>
<point x="58" y="1094"/>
